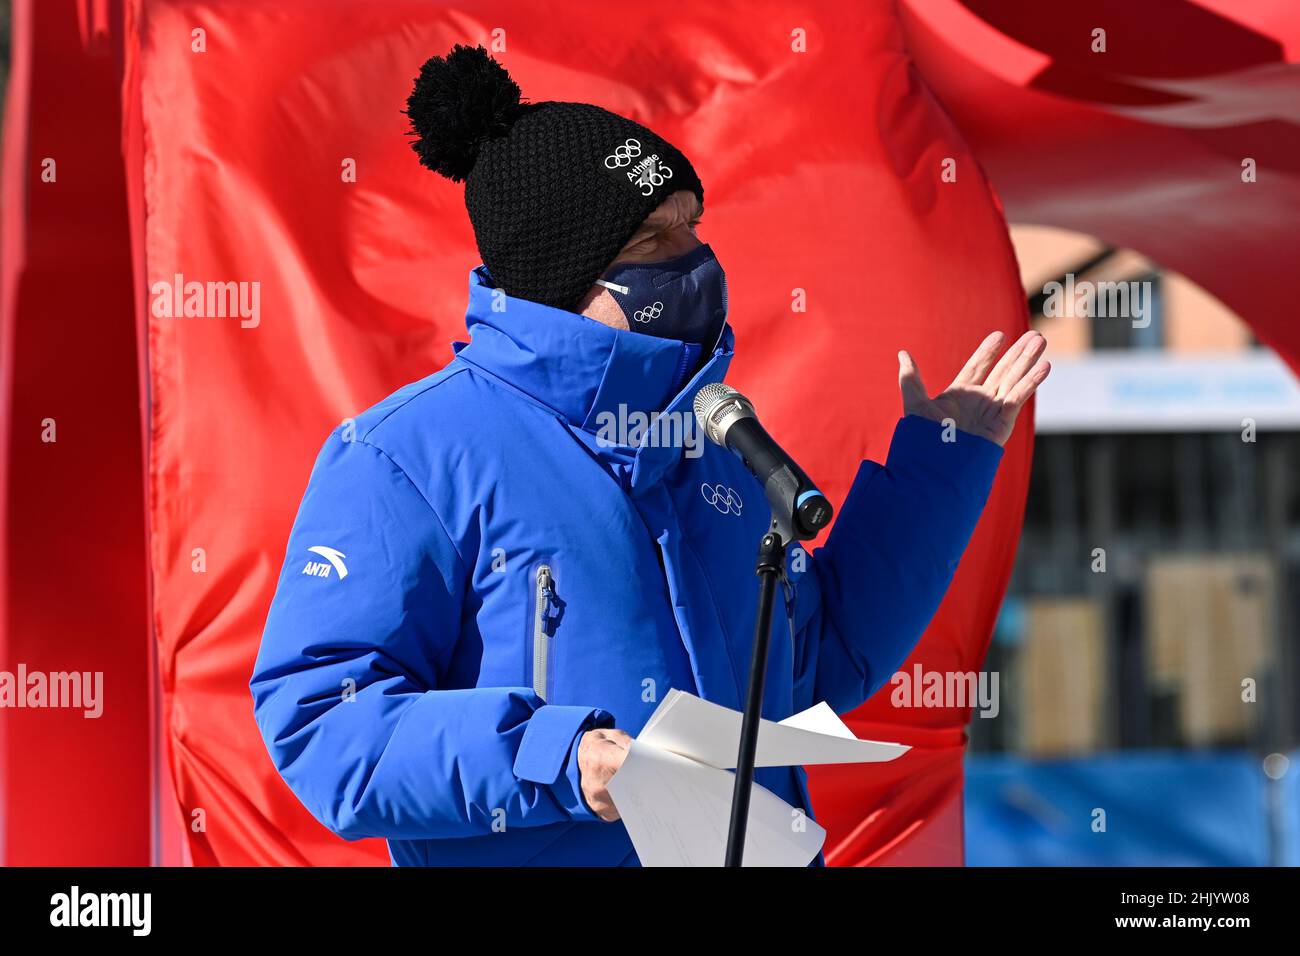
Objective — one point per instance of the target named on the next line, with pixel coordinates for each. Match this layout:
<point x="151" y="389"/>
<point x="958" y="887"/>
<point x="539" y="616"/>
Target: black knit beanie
<point x="553" y="190"/>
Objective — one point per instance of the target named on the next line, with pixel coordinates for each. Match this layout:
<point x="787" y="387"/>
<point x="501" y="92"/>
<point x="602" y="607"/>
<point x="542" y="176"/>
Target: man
<point x="488" y="588"/>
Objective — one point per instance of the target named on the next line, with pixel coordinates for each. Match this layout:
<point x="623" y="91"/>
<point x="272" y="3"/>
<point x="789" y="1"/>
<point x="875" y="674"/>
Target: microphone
<point x="799" y="510"/>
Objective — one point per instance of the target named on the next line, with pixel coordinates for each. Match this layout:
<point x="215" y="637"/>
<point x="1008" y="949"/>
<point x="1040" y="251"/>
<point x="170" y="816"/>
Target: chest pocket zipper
<point x="545" y="608"/>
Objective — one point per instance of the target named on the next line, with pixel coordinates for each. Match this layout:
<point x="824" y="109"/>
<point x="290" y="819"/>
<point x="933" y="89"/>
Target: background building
<point x="1147" y="647"/>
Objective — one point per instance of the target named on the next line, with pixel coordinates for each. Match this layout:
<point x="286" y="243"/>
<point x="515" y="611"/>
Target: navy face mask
<point x="683" y="298"/>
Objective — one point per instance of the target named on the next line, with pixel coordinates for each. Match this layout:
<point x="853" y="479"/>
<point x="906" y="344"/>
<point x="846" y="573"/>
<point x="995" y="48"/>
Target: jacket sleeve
<point x="349" y="690"/>
<point x="871" y="590"/>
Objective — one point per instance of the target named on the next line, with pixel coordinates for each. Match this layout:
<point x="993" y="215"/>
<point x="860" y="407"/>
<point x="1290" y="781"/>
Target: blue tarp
<point x="1161" y="809"/>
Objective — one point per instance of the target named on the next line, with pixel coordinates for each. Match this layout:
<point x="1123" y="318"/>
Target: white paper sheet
<point x="674" y="789"/>
<point x="677" y="812"/>
<point x="710" y="733"/>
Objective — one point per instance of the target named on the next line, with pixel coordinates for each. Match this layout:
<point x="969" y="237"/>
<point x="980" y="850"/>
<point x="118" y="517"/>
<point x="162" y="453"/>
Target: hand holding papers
<point x="674" y="792"/>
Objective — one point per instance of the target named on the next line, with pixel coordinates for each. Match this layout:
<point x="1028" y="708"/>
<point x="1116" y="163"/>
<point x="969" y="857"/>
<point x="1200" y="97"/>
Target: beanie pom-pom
<point x="460" y="101"/>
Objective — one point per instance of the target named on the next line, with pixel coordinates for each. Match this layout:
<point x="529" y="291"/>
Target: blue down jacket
<point x="480" y="571"/>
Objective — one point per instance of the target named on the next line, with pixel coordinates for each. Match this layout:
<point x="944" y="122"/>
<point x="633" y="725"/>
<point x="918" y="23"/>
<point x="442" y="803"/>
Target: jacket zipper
<point x="544" y="592"/>
<point x="686" y="363"/>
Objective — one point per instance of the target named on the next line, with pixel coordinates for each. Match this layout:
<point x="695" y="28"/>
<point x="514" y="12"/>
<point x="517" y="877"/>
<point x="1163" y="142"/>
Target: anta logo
<point x="648" y="173"/>
<point x="333" y="559"/>
<point x="723" y="498"/>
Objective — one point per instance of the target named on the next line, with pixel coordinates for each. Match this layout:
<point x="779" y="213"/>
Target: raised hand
<point x="979" y="401"/>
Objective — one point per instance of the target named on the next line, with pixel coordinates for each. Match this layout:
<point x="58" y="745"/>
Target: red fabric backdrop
<point x="73" y="790"/>
<point x="1141" y="145"/>
<point x="823" y="174"/>
<point x="822" y="171"/>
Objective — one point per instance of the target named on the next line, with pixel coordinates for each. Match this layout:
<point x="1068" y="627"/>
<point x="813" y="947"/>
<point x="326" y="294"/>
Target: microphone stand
<point x="799" y="513"/>
<point x="770" y="567"/>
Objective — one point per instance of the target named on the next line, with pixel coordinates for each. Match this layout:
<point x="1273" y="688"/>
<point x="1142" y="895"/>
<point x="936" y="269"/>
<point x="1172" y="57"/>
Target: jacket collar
<point x="576" y="366"/>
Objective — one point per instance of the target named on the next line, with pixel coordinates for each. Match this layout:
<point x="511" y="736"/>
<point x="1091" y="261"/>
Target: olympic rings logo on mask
<point x="723" y="498"/>
<point x="648" y="313"/>
<point x="624" y="154"/>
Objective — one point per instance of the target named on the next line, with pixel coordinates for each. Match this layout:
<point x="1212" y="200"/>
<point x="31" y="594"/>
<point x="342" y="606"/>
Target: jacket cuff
<point x="965" y="460"/>
<point x="548" y="752"/>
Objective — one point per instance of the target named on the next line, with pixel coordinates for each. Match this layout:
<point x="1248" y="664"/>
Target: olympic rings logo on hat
<point x="649" y="312"/>
<point x="624" y="154"/>
<point x="723" y="498"/>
